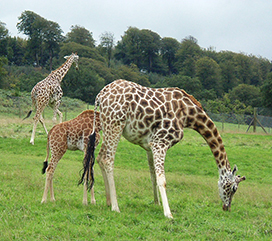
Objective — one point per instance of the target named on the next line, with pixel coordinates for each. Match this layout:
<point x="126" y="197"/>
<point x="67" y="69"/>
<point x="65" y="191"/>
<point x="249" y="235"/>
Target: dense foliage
<point x="224" y="78"/>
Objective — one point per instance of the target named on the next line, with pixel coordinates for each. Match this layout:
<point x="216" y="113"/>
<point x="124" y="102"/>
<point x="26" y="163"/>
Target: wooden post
<point x="254" y="119"/>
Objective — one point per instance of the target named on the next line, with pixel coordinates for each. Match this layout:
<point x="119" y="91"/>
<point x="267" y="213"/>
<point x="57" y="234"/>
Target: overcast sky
<point x="234" y="25"/>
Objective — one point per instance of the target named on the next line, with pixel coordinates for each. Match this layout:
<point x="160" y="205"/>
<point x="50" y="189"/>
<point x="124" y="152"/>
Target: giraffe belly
<point x="141" y="138"/>
<point x="75" y="144"/>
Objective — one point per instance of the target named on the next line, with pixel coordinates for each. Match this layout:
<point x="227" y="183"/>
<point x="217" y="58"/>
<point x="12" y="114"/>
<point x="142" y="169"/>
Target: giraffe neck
<point x="59" y="73"/>
<point x="205" y="127"/>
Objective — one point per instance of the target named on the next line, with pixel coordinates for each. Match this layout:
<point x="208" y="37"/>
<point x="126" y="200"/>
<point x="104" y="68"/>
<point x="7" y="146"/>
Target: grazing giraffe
<point x="49" y="92"/>
<point x="154" y="119"/>
<point x="69" y="135"/>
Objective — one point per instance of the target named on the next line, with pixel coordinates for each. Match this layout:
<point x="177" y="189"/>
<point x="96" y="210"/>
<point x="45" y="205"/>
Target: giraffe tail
<point x="45" y="163"/>
<point x="88" y="163"/>
<point x="28" y="114"/>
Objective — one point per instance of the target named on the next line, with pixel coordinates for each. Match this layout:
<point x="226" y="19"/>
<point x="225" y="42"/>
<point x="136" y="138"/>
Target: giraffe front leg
<point x="57" y="111"/>
<point x="162" y="187"/>
<point x="43" y="124"/>
<point x="159" y="152"/>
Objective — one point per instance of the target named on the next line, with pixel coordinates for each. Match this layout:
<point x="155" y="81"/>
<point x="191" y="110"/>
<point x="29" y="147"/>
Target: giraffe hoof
<point x="169" y="216"/>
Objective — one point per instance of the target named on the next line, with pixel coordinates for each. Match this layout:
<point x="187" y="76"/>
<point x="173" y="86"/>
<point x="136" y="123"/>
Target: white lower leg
<point x="85" y="193"/>
<point x="108" y="200"/>
<point x="114" y="203"/>
<point x="44" y="127"/>
<point x="92" y="196"/>
<point x="44" y="198"/>
<point x="162" y="187"/>
<point x="51" y="189"/>
<point x="33" y="132"/>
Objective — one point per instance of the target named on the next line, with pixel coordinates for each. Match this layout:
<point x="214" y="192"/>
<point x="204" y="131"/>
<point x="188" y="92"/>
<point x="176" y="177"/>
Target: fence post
<point x="254" y="119"/>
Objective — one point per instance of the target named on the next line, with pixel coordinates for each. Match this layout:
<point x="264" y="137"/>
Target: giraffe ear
<point x="66" y="57"/>
<point x="235" y="169"/>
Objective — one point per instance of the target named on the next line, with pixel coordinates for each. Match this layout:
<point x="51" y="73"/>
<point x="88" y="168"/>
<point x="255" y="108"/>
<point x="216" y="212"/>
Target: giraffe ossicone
<point x="154" y="119"/>
<point x="48" y="92"/>
<point x="69" y="135"/>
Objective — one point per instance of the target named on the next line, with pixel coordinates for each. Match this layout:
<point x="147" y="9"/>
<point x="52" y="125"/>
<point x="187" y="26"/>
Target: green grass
<point x="192" y="191"/>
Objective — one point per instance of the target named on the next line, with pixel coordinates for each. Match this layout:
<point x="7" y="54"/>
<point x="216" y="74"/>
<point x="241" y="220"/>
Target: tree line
<point x="223" y="81"/>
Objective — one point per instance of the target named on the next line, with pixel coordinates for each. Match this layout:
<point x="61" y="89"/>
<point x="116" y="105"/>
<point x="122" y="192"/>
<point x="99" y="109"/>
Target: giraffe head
<point x="74" y="57"/>
<point x="228" y="185"/>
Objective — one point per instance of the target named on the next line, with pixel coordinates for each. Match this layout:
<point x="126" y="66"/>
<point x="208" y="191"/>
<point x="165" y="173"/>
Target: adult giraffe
<point x="48" y="92"/>
<point x="154" y="119"/>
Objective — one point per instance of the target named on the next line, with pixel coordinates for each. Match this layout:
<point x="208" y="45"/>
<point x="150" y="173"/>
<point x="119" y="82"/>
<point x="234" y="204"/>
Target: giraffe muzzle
<point x="226" y="208"/>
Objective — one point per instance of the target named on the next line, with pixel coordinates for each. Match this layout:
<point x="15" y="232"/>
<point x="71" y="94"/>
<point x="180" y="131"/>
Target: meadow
<point x="191" y="175"/>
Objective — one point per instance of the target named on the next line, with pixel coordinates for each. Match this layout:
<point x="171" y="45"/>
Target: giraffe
<point x="68" y="135"/>
<point x="48" y="92"/>
<point x="154" y="119"/>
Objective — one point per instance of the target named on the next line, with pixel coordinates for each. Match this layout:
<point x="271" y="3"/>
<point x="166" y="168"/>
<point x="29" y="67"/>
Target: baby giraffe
<point x="69" y="135"/>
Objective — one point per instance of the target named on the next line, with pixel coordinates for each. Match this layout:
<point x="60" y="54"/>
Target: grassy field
<point x="192" y="191"/>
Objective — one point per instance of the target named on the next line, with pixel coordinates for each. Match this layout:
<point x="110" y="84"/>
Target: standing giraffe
<point x="154" y="119"/>
<point x="49" y="92"/>
<point x="68" y="135"/>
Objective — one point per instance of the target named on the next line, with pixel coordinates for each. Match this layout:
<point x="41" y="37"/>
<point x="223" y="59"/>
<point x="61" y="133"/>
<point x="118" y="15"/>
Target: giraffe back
<point x="150" y="115"/>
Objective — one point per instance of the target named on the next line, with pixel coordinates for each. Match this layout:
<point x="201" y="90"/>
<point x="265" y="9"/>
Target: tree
<point x="52" y="37"/>
<point x="266" y="91"/>
<point x="169" y="48"/>
<point x="191" y="85"/>
<point x="150" y="46"/>
<point x="3" y="72"/>
<point x="44" y="36"/>
<point x="208" y="72"/>
<point x="80" y="35"/>
<point x="107" y="45"/>
<point x="3" y="39"/>
<point x="248" y="94"/>
<point x="243" y="68"/>
<point x="140" y="47"/>
<point x="187" y="56"/>
<point x="128" y="48"/>
<point x="17" y="48"/>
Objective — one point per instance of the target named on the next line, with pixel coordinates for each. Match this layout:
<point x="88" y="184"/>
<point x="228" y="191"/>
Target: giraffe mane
<point x="192" y="98"/>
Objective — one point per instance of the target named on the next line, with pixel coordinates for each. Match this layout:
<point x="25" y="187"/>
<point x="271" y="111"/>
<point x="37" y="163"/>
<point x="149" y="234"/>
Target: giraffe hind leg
<point x="33" y="132"/>
<point x="153" y="177"/>
<point x="49" y="183"/>
<point x="106" y="160"/>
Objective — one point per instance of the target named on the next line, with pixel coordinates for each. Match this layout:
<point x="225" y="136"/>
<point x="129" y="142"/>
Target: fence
<point x="19" y="106"/>
<point x="243" y="123"/>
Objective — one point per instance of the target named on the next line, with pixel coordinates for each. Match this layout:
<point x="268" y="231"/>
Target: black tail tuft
<point x="88" y="163"/>
<point x="28" y="114"/>
<point x="45" y="165"/>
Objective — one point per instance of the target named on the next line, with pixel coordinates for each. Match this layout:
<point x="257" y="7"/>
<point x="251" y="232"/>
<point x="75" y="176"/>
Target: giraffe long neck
<point x="205" y="127"/>
<point x="62" y="70"/>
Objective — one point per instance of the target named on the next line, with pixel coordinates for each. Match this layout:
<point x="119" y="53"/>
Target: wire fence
<point x="242" y="122"/>
<point x="20" y="105"/>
